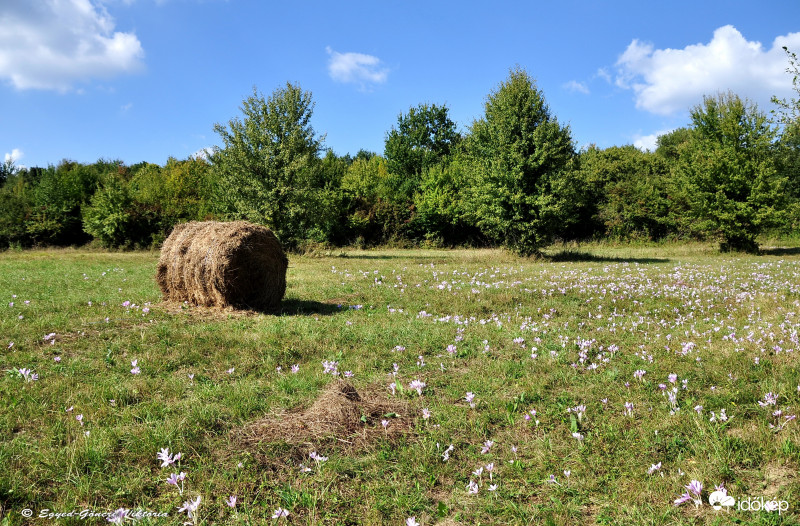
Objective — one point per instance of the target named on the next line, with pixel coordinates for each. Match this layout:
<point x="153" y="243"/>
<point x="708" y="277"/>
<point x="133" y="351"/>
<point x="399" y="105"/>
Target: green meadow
<point x="599" y="384"/>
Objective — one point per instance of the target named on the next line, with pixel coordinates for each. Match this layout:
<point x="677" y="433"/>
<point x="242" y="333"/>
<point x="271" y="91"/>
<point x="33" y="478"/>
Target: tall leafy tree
<point x="729" y="173"/>
<point x="16" y="204"/>
<point x="787" y="149"/>
<point x="7" y="170"/>
<point x="520" y="155"/>
<point x="788" y="110"/>
<point x="266" y="168"/>
<point x="787" y="160"/>
<point x="419" y="151"/>
<point x="422" y="138"/>
<point x="110" y="216"/>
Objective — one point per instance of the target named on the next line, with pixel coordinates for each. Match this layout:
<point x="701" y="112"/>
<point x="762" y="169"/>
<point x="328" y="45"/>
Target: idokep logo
<point x="760" y="503"/>
<point x="720" y="499"/>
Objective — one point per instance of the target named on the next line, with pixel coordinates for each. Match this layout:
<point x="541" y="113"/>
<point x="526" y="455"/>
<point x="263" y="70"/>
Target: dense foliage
<point x="513" y="178"/>
<point x="625" y="194"/>
<point x="728" y="170"/>
<point x="113" y="204"/>
<point x="267" y="169"/>
<point x="518" y="153"/>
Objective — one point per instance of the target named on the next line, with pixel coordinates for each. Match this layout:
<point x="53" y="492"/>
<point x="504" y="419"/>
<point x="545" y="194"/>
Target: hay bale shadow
<point x="290" y="307"/>
<point x="297" y="307"/>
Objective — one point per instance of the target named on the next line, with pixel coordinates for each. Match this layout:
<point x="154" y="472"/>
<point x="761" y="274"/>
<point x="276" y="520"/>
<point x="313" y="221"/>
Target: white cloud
<point x="666" y="81"/>
<point x="52" y="45"/>
<point x="604" y="74"/>
<point x="203" y="153"/>
<point x="648" y="142"/>
<point x="356" y="68"/>
<point x="15" y="155"/>
<point x="576" y="87"/>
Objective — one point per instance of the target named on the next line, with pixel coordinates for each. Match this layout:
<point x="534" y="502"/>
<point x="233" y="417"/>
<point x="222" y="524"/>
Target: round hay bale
<point x="216" y="264"/>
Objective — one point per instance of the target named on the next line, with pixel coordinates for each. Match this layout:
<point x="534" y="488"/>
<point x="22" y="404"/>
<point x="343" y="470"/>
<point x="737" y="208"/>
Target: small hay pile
<point x="340" y="414"/>
<point x="215" y="264"/>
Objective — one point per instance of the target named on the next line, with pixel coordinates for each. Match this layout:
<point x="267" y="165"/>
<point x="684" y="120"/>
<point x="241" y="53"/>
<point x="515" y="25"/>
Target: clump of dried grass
<point x="340" y="414"/>
<point x="215" y="264"/>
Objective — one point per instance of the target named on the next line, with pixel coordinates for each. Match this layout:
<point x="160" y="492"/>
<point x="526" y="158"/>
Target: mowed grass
<point x="588" y="387"/>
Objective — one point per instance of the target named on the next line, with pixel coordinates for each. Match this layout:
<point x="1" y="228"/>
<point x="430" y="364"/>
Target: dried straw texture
<point x="215" y="264"/>
<point x="339" y="415"/>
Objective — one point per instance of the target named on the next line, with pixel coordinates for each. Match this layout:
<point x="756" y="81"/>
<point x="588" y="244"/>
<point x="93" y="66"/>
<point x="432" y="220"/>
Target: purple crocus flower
<point x="695" y="487"/>
<point x="682" y="499"/>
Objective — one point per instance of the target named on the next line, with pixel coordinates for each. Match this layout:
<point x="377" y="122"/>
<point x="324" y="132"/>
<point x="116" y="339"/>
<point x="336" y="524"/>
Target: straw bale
<point x="215" y="264"/>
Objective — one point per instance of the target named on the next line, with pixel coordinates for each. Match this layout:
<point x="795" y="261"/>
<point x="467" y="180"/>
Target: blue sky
<point x="143" y="80"/>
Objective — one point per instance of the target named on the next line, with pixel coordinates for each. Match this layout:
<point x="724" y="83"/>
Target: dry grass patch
<point x="340" y="417"/>
<point x="777" y="476"/>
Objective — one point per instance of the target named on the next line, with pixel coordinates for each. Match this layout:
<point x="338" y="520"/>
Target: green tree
<point x="787" y="148"/>
<point x="787" y="164"/>
<point x="58" y="195"/>
<point x="330" y="208"/>
<point x="7" y="170"/>
<point x="669" y="144"/>
<point x="109" y="217"/>
<point x="625" y="192"/>
<point x="367" y="179"/>
<point x="362" y="154"/>
<point x="15" y="209"/>
<point x="440" y="213"/>
<point x="788" y="111"/>
<point x="728" y="170"/>
<point x="520" y="155"/>
<point x="423" y="137"/>
<point x="681" y="222"/>
<point x="178" y="191"/>
<point x="266" y="168"/>
<point x="373" y="213"/>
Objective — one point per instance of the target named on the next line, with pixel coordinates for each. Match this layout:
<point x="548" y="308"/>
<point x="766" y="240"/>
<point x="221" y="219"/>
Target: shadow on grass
<point x="780" y="251"/>
<point x="295" y="307"/>
<point x="381" y="256"/>
<point x="574" y="256"/>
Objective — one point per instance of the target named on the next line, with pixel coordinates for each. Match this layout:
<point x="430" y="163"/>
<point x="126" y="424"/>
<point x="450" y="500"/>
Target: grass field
<point x="401" y="387"/>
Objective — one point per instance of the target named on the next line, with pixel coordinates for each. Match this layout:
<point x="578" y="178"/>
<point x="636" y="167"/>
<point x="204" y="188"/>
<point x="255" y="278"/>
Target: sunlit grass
<point x="726" y="325"/>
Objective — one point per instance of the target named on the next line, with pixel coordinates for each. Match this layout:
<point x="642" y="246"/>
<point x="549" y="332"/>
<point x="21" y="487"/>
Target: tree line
<point x="514" y="178"/>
